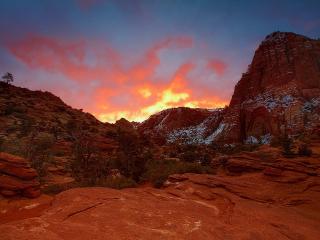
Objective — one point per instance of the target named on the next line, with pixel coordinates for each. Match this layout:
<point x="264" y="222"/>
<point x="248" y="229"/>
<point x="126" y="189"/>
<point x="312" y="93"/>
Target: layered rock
<point x="42" y="122"/>
<point x="186" y="125"/>
<point x="24" y="112"/>
<point x="256" y="195"/>
<point x="17" y="178"/>
<point x="279" y="92"/>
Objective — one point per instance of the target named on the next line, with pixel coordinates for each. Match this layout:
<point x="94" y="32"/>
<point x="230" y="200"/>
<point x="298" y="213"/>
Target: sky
<point x="134" y="58"/>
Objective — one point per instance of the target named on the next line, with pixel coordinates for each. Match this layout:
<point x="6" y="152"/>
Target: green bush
<point x="158" y="171"/>
<point x="118" y="182"/>
<point x="39" y="150"/>
<point x="56" y="188"/>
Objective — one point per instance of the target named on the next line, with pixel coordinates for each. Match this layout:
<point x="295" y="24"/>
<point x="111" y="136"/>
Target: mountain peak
<point x="280" y="36"/>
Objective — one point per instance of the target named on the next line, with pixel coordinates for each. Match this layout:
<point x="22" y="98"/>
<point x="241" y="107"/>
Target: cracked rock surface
<point x="262" y="202"/>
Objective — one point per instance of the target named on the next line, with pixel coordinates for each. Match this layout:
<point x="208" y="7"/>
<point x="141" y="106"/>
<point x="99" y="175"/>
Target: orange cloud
<point x="218" y="66"/>
<point x="132" y="92"/>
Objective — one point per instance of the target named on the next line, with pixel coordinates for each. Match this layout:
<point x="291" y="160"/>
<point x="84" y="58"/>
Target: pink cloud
<point x="218" y="66"/>
<point x="118" y="91"/>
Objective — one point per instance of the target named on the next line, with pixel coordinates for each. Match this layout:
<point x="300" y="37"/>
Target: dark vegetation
<point x="287" y="145"/>
<point x="7" y="78"/>
<point x="304" y="150"/>
<point x="289" y="148"/>
<point x="134" y="160"/>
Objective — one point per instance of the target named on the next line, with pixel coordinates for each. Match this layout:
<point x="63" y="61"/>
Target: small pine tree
<point x="7" y="78"/>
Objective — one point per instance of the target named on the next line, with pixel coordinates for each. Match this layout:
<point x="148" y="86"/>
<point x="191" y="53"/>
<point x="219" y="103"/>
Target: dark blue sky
<point x="132" y="58"/>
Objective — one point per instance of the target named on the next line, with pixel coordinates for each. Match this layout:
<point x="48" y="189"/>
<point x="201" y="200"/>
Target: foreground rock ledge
<point x="252" y="206"/>
<point x="17" y="178"/>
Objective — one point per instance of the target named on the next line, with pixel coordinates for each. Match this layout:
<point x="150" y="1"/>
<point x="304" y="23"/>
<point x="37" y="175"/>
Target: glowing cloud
<point x="218" y="66"/>
<point x="114" y="89"/>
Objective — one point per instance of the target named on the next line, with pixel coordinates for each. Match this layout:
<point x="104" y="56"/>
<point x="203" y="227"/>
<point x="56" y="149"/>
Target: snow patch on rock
<point x="215" y="134"/>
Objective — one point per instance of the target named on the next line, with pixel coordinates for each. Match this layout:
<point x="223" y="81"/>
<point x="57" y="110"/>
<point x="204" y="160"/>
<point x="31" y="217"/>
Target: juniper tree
<point x="7" y="78"/>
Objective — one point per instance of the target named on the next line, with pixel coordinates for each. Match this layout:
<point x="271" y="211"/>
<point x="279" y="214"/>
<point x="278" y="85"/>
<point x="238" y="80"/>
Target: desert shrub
<point x="158" y="171"/>
<point x="57" y="188"/>
<point x="2" y="141"/>
<point x="191" y="153"/>
<point x="13" y="146"/>
<point x="90" y="164"/>
<point x="38" y="149"/>
<point x="132" y="155"/>
<point x="12" y="108"/>
<point x="229" y="149"/>
<point x="287" y="146"/>
<point x="189" y="156"/>
<point x="131" y="165"/>
<point x="205" y="159"/>
<point x="8" y="109"/>
<point x="12" y="129"/>
<point x="118" y="182"/>
<point x="71" y="126"/>
<point x="26" y="126"/>
<point x="173" y="154"/>
<point x="304" y="150"/>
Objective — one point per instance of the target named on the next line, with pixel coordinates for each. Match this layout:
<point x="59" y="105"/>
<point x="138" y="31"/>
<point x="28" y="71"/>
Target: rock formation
<point x="187" y="125"/>
<point x="34" y="120"/>
<point x="17" y="178"/>
<point x="23" y="112"/>
<point x="256" y="195"/>
<point x="279" y="93"/>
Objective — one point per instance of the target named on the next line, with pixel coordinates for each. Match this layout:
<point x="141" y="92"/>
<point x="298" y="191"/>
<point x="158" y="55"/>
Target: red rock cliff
<point x="280" y="90"/>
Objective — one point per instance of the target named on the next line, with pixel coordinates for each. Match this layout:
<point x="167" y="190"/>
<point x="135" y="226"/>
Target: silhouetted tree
<point x="7" y="78"/>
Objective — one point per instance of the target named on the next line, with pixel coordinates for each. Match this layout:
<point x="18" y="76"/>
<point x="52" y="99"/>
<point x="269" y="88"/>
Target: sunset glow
<point x="132" y="59"/>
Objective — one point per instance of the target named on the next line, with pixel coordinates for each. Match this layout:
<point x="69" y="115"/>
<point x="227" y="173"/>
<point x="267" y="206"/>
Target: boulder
<point x="17" y="178"/>
<point x="16" y="166"/>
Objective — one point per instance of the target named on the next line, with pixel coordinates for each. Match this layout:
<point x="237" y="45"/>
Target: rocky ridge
<point x="187" y="125"/>
<point x="23" y="111"/>
<point x="280" y="92"/>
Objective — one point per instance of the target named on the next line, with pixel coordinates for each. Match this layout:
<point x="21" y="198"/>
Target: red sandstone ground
<point x="274" y="198"/>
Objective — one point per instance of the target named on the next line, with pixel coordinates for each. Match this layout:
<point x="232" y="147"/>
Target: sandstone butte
<point x="280" y="91"/>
